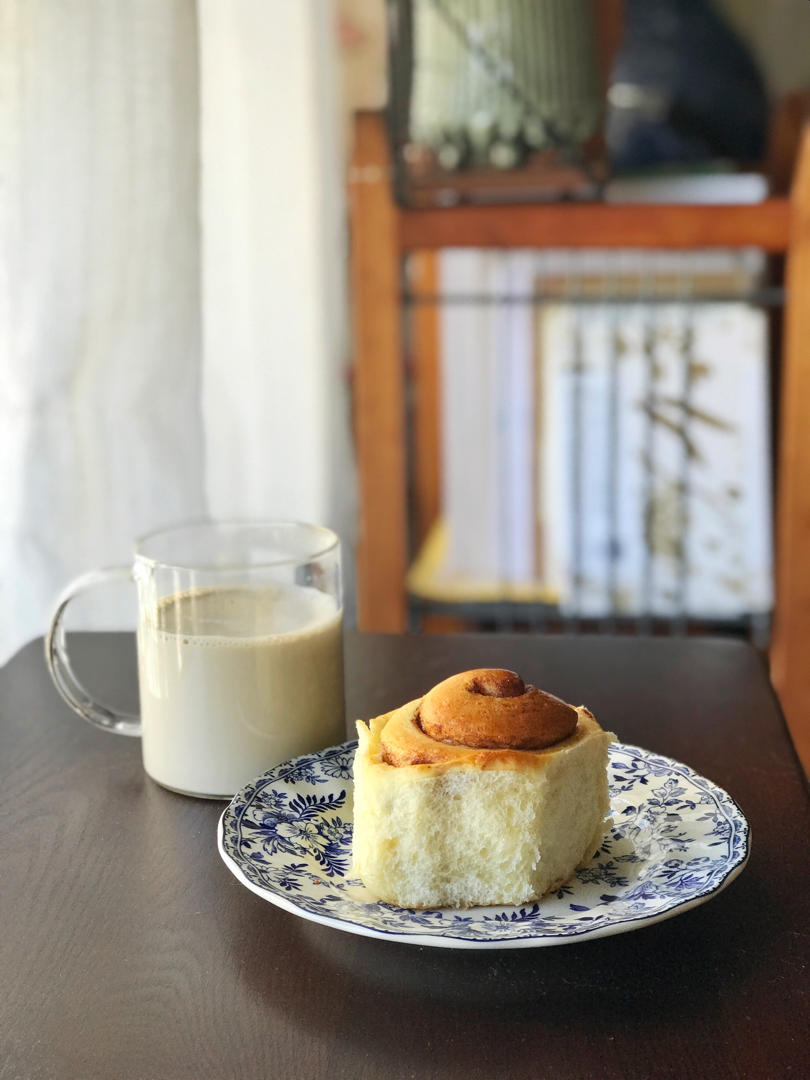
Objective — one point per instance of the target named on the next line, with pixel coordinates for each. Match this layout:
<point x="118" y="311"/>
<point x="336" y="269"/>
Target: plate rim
<point x="531" y="941"/>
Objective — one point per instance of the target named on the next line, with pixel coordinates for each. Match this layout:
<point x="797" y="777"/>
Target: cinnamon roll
<point x="484" y="791"/>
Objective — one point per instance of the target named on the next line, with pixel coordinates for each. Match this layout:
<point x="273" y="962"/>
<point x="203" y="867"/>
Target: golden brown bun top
<point x="484" y="709"/>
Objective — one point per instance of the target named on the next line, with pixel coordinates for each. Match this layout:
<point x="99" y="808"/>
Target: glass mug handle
<point x="58" y="661"/>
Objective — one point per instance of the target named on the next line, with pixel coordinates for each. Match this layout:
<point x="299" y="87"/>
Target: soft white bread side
<point x="482" y="826"/>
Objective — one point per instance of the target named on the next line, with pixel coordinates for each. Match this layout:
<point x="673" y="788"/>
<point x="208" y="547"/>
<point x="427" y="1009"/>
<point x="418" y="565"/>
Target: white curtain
<point x="171" y="256"/>
<point x="271" y="258"/>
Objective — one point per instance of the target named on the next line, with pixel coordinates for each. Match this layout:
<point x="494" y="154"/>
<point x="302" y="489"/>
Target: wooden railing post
<point x="790" y="651"/>
<point x="379" y="382"/>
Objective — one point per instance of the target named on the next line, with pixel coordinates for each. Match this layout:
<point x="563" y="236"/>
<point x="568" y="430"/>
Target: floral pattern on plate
<point x="675" y="840"/>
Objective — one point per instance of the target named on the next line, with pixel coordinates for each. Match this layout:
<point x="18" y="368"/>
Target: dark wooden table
<point x="128" y="950"/>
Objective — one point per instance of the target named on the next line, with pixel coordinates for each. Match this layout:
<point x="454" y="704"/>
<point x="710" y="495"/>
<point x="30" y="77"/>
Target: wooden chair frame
<point x="382" y="233"/>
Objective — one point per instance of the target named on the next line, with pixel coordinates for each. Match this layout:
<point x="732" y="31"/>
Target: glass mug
<point x="240" y="651"/>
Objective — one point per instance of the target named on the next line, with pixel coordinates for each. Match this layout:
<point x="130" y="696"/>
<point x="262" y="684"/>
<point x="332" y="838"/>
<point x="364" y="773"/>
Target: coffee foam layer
<point x="226" y="616"/>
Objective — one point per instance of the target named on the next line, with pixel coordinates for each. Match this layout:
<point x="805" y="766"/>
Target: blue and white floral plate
<point x="676" y="840"/>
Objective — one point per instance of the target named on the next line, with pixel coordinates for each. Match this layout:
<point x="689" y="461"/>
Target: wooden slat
<point x="443" y="624"/>
<point x="788" y="120"/>
<point x="378" y="383"/>
<point x="790" y="652"/>
<point x="609" y="17"/>
<point x="424" y="348"/>
<point x="764" y="225"/>
<point x="426" y="389"/>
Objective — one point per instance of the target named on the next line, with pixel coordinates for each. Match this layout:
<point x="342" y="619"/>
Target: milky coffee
<point x="234" y="680"/>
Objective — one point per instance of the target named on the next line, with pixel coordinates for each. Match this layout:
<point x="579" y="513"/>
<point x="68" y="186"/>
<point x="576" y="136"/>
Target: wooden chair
<point x="382" y="233"/>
